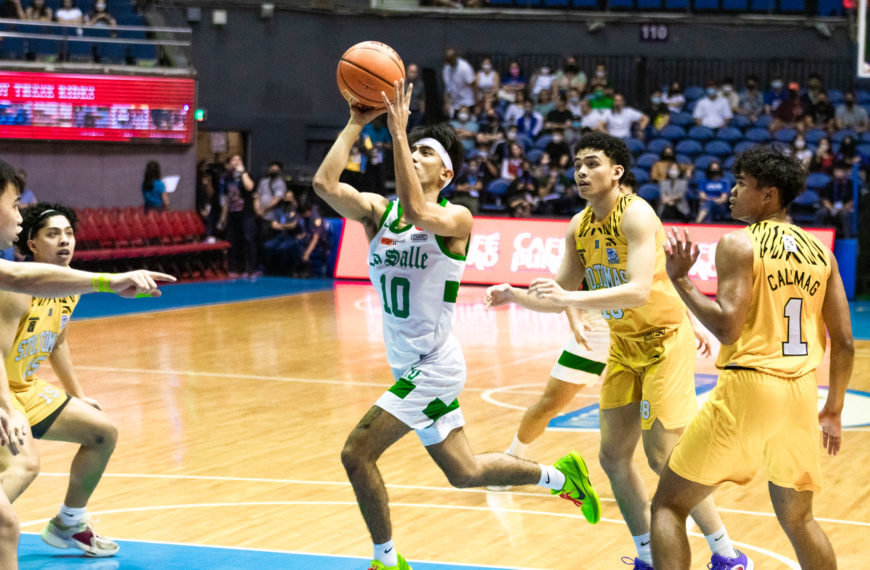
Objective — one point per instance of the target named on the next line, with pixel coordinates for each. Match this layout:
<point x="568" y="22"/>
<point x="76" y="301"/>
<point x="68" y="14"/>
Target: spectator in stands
<point x="417" y="105"/>
<point x="850" y="115"/>
<point x="100" y="16"/>
<point x="821" y="114"/>
<point x="469" y="184"/>
<point x="153" y="189"/>
<point x="848" y="152"/>
<point x="239" y="218"/>
<point x="512" y="83"/>
<point x="12" y="10"/>
<point x="541" y="80"/>
<point x="39" y="11"/>
<point x="595" y="119"/>
<point x="667" y="159"/>
<point x="574" y="102"/>
<point x="271" y="191"/>
<point x="622" y="119"/>
<point x="560" y="117"/>
<point x="601" y="98"/>
<point x="516" y="109"/>
<point x="791" y="112"/>
<point x="379" y="145"/>
<point x="204" y="190"/>
<point x="488" y="82"/>
<point x="501" y="150"/>
<point x="600" y="79"/>
<point x="658" y="113"/>
<point x="751" y="100"/>
<point x="800" y="150"/>
<point x="522" y="193"/>
<point x="458" y="76"/>
<point x="674" y="97"/>
<point x="712" y="111"/>
<point x="823" y="159"/>
<point x="837" y="202"/>
<point x="466" y="127"/>
<point x="490" y="131"/>
<point x="214" y="224"/>
<point x="569" y="77"/>
<point x="815" y="86"/>
<point x="557" y="153"/>
<point x="713" y="194"/>
<point x="673" y="205"/>
<point x="285" y="226"/>
<point x="775" y="95"/>
<point x="727" y="92"/>
<point x="512" y="166"/>
<point x="315" y="243"/>
<point x="531" y="122"/>
<point x="545" y="103"/>
<point x="69" y="13"/>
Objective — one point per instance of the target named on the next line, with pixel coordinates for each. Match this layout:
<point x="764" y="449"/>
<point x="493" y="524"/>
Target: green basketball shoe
<point x="402" y="565"/>
<point x="578" y="489"/>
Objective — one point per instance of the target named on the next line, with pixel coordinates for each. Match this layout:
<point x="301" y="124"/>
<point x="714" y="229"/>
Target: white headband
<point x="441" y="152"/>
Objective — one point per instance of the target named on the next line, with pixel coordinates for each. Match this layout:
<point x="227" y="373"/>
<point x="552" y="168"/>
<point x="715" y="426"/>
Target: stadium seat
<point x="763" y="121"/>
<point x="683" y="159"/>
<point x="658" y="145"/>
<point x="840" y="135"/>
<point x="640" y="174"/>
<point x="864" y="149"/>
<point x="818" y="180"/>
<point x="786" y="135"/>
<point x="740" y="121"/>
<point x="718" y="148"/>
<point x="676" y="4"/>
<point x="803" y="208"/>
<point x="865" y="137"/>
<point x="813" y="136"/>
<point x="700" y="133"/>
<point x="526" y="142"/>
<point x="681" y="120"/>
<point x="673" y="132"/>
<point x="634" y="145"/>
<point x="862" y="96"/>
<point x="542" y="141"/>
<point x="647" y="159"/>
<point x="693" y="92"/>
<point x="498" y="187"/>
<point x="649" y="191"/>
<point x="705" y="160"/>
<point x="729" y="134"/>
<point x="735" y="5"/>
<point x="729" y="162"/>
<point x="689" y="146"/>
<point x="757" y="135"/>
<point x="535" y="155"/>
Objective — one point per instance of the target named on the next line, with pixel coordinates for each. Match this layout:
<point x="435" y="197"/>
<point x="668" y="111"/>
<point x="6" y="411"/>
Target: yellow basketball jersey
<point x="36" y="337"/>
<point x="603" y="250"/>
<point x="784" y="334"/>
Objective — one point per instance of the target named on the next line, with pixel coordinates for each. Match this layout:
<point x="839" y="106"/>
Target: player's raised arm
<point x="344" y="198"/>
<point x="46" y="280"/>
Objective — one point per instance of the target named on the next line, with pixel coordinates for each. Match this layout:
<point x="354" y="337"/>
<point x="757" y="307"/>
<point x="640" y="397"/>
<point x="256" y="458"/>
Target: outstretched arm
<point x="46" y="280"/>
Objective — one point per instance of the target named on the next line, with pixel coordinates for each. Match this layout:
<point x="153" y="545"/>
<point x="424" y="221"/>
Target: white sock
<point x="641" y="543"/>
<point x="720" y="543"/>
<point x="517" y="448"/>
<point x="551" y="478"/>
<point x="69" y="516"/>
<point x="386" y="553"/>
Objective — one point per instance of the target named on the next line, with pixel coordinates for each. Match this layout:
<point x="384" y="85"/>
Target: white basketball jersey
<point x="417" y="279"/>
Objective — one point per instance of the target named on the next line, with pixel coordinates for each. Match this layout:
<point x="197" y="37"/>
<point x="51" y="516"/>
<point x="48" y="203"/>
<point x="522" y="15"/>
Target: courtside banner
<point x="516" y="251"/>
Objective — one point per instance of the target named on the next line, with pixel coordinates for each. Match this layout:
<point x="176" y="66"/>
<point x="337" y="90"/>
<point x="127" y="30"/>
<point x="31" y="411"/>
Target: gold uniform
<point x="652" y="347"/>
<point x="37" y="334"/>
<point x="764" y="406"/>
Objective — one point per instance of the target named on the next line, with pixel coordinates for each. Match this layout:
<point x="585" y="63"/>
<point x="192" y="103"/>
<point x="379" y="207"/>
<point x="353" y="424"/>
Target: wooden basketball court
<point x="232" y="417"/>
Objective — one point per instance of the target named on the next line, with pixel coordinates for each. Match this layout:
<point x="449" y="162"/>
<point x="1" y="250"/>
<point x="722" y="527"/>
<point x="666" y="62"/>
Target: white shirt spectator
<point x="69" y="16"/>
<point x="675" y="102"/>
<point x="713" y="113"/>
<point x="619" y="122"/>
<point x="594" y="119"/>
<point x="854" y="118"/>
<point x="459" y="84"/>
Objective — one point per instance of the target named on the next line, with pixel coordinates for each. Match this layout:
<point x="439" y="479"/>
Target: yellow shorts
<point x="39" y="401"/>
<point x="659" y="373"/>
<point x="753" y="417"/>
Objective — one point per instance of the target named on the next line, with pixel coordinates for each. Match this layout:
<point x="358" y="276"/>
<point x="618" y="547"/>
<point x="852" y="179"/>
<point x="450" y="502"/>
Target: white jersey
<point x="417" y="279"/>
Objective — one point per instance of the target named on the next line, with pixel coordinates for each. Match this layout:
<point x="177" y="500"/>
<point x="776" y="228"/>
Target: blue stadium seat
<point x="786" y="135"/>
<point x="498" y="187"/>
<point x="740" y="121"/>
<point x="718" y="148"/>
<point x="681" y="119"/>
<point x="818" y="180"/>
<point x="735" y="5"/>
<point x="649" y="191"/>
<point x="689" y="146"/>
<point x="768" y="6"/>
<point x="621" y="4"/>
<point x="693" y="92"/>
<point x="673" y="132"/>
<point x="729" y="162"/>
<point x="658" y="145"/>
<point x="676" y="4"/>
<point x="527" y="3"/>
<point x="803" y="208"/>
<point x="758" y="135"/>
<point x="690" y="106"/>
<point x="698" y="176"/>
<point x="862" y="96"/>
<point x="831" y="8"/>
<point x="526" y="142"/>
<point x="535" y="155"/>
<point x="865" y="137"/>
<point x="864" y="149"/>
<point x="840" y="135"/>
<point x="684" y="159"/>
<point x="705" y="160"/>
<point x="791" y="6"/>
<point x="813" y="136"/>
<point x="586" y="4"/>
<point x="730" y="134"/>
<point x="700" y="133"/>
<point x="542" y="141"/>
<point x="647" y="160"/>
<point x="556" y="3"/>
<point x="634" y="145"/>
<point x="743" y="146"/>
<point x="649" y="4"/>
<point x="640" y="174"/>
<point x="705" y="5"/>
<point x="763" y="121"/>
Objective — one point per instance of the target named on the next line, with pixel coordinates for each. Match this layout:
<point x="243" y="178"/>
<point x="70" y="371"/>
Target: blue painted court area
<point x="860" y="319"/>
<point x="185" y="295"/>
<point x="136" y="555"/>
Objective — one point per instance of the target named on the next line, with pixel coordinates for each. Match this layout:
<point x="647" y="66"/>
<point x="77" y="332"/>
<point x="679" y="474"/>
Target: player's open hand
<point x="364" y="115"/>
<point x="399" y="108"/>
<point x="497" y="295"/>
<point x="831" y="435"/>
<point x="140" y="283"/>
<point x="680" y="255"/>
<point x="549" y="290"/>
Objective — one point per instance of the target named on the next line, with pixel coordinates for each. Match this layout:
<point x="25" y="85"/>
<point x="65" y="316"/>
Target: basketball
<point x="365" y="70"/>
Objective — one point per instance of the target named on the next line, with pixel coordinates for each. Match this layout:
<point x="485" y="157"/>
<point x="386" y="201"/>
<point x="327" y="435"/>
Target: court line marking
<point x="405" y="487"/>
<point x="758" y="549"/>
<point x="487" y="396"/>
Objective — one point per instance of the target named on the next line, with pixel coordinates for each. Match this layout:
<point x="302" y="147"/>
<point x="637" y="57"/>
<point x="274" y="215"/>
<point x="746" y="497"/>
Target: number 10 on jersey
<point x="398" y="301"/>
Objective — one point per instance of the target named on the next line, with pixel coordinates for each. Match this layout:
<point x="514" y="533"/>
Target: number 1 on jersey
<point x="399" y="310"/>
<point x="794" y="346"/>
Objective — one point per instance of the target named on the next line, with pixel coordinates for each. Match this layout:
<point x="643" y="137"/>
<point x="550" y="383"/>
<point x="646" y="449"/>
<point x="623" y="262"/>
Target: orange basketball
<point x="365" y="70"/>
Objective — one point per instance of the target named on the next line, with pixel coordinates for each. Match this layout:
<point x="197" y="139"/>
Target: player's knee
<point x="105" y="435"/>
<point x="353" y="454"/>
<point x="612" y="462"/>
<point x="463" y="478"/>
<point x="657" y="461"/>
<point x="9" y="527"/>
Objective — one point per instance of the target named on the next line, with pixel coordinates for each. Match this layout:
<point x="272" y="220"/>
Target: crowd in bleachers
<point x="519" y="129"/>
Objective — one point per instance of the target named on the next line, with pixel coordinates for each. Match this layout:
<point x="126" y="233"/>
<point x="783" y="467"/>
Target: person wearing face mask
<point x="727" y="92"/>
<point x="822" y="113"/>
<point x="38" y="11"/>
<point x="100" y="17"/>
<point x="557" y="151"/>
<point x="488" y="82"/>
<point x="542" y="80"/>
<point x="284" y="229"/>
<point x="667" y="158"/>
<point x="599" y="78"/>
<point x="849" y="152"/>
<point x="466" y="127"/>
<point x="531" y="122"/>
<point x="801" y="151"/>
<point x="774" y="96"/>
<point x="569" y="77"/>
<point x="512" y="83"/>
<point x="658" y="113"/>
<point x="673" y="205"/>
<point x="791" y="112"/>
<point x="560" y="117"/>
<point x="751" y="100"/>
<point x="850" y="115"/>
<point x="823" y="159"/>
<point x="837" y="202"/>
<point x="271" y="190"/>
<point x="713" y="194"/>
<point x="469" y="184"/>
<point x="712" y="111"/>
<point x="674" y="98"/>
<point x="516" y="109"/>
